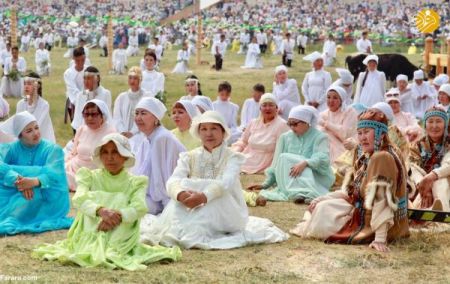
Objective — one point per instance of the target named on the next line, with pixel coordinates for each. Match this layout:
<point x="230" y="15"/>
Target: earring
<point x="156" y="123"/>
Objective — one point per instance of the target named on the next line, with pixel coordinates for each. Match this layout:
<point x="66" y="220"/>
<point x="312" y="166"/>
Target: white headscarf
<point x="369" y="58"/>
<point x="384" y="108"/>
<point x="268" y="97"/>
<point x="313" y="56"/>
<point x="392" y="95"/>
<point x="306" y="114"/>
<point x="103" y="108"/>
<point x="155" y="106"/>
<point x="280" y="68"/>
<point x="341" y="92"/>
<point x="418" y="75"/>
<point x="190" y="108"/>
<point x="401" y="77"/>
<point x="445" y="88"/>
<point x="202" y="101"/>
<point x="16" y="123"/>
<point x="440" y="80"/>
<point x="345" y="76"/>
<point x="209" y="117"/>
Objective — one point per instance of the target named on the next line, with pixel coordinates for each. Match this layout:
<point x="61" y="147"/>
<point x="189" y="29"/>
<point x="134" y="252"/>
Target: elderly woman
<point x="33" y="184"/>
<point x="371" y="207"/>
<point x="126" y="102"/>
<point x="338" y="121"/>
<point x="405" y="121"/>
<point x="444" y="97"/>
<point x="301" y="165"/>
<point x="192" y="86"/>
<point x="156" y="150"/>
<point x="260" y="137"/>
<point x="430" y="163"/>
<point x="371" y="84"/>
<point x="110" y="203"/>
<point x="285" y="91"/>
<point x="207" y="209"/>
<point x="96" y="126"/>
<point x="316" y="82"/>
<point x="183" y="112"/>
<point x="36" y="105"/>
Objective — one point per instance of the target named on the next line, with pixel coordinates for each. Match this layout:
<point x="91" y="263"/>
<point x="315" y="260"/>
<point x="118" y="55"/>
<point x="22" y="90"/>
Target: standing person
<point x="253" y="58"/>
<point x="49" y="39"/>
<point x="329" y="51"/>
<point x="405" y="92"/>
<point x="103" y="44"/>
<point x="157" y="49"/>
<point x="262" y="41"/>
<point x="302" y="40"/>
<point x="4" y="108"/>
<point x="285" y="91"/>
<point x="364" y="45"/>
<point x="244" y="39"/>
<point x="278" y="41"/>
<point x="133" y="44"/>
<point x="152" y="80"/>
<point x="25" y="40"/>
<point x="72" y="43"/>
<point x="423" y="94"/>
<point x="74" y="81"/>
<point x="12" y="81"/>
<point x="182" y="60"/>
<point x="288" y="45"/>
<point x="119" y="59"/>
<point x="42" y="60"/>
<point x="218" y="50"/>
<point x="371" y="84"/>
<point x="316" y="82"/>
<point x="36" y="105"/>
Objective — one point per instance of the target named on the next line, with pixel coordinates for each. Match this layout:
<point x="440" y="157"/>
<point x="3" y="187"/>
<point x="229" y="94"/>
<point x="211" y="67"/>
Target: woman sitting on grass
<point x="110" y="203"/>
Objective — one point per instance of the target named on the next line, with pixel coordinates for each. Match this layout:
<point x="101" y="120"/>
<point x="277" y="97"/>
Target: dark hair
<point x="224" y="86"/>
<point x="14" y="48"/>
<point x="179" y="105"/>
<point x="259" y="88"/>
<point x="35" y="75"/>
<point x="150" y="53"/>
<point x="198" y="84"/>
<point x="79" y="51"/>
<point x="93" y="105"/>
<point x="94" y="70"/>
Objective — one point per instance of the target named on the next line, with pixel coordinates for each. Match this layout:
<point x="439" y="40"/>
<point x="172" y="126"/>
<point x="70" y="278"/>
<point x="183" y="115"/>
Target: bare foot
<point x="381" y="247"/>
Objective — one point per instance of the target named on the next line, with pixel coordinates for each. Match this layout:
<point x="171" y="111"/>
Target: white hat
<point x="280" y="68"/>
<point x="369" y="58"/>
<point x="306" y="114"/>
<point x="419" y="75"/>
<point x="268" y="97"/>
<point x="445" y="88"/>
<point x="392" y="95"/>
<point x="190" y="108"/>
<point x="384" y="108"/>
<point x="155" y="106"/>
<point x="340" y="91"/>
<point x="401" y="77"/>
<point x="203" y="102"/>
<point x="16" y="123"/>
<point x="313" y="56"/>
<point x="441" y="79"/>
<point x="123" y="146"/>
<point x="345" y="76"/>
<point x="209" y="117"/>
<point x="102" y="106"/>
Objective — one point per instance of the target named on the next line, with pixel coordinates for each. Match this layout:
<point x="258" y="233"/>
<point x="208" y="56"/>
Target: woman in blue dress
<point x="34" y="195"/>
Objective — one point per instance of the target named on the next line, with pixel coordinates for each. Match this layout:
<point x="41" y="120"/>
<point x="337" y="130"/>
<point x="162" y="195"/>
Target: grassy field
<point x="423" y="258"/>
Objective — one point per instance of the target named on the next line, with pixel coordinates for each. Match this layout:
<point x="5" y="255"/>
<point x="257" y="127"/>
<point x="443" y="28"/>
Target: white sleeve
<point x="71" y="87"/>
<point x="305" y="87"/>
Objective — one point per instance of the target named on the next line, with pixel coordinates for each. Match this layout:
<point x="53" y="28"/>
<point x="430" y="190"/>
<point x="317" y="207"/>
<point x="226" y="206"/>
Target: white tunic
<point x="287" y="96"/>
<point x="221" y="48"/>
<point x="123" y="114"/>
<point x="422" y="104"/>
<point x="348" y="90"/>
<point x="10" y="87"/>
<point x="133" y="45"/>
<point x="229" y="111"/>
<point x="329" y="52"/>
<point x="278" y="41"/>
<point x="152" y="82"/>
<point x="373" y="90"/>
<point x="250" y="111"/>
<point x="182" y="62"/>
<point x="363" y="44"/>
<point x="119" y="58"/>
<point x="84" y="96"/>
<point x="314" y="88"/>
<point x="41" y="110"/>
<point x="4" y="107"/>
<point x="406" y="100"/>
<point x="158" y="50"/>
<point x="74" y="81"/>
<point x="253" y="58"/>
<point x="288" y="48"/>
<point x="42" y="60"/>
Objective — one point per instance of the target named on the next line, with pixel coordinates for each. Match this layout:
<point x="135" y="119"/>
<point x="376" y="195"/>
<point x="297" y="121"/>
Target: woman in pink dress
<point x="96" y="125"/>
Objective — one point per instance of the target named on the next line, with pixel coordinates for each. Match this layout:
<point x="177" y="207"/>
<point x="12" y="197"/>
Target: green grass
<point x="423" y="258"/>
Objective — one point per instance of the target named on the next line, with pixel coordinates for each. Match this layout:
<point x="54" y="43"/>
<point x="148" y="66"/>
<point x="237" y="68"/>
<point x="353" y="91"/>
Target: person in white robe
<point x="250" y="108"/>
<point x="42" y="60"/>
<point x="12" y="81"/>
<point x="228" y="110"/>
<point x="92" y="90"/>
<point x="316" y="83"/>
<point x="329" y="51"/>
<point x="244" y="40"/>
<point x="157" y="49"/>
<point x="364" y="45"/>
<point x="406" y="94"/>
<point x="192" y="87"/>
<point x="302" y="40"/>
<point x="133" y="45"/>
<point x="5" y="54"/>
<point x="4" y="108"/>
<point x="182" y="60"/>
<point x="371" y="84"/>
<point x="72" y="43"/>
<point x="126" y="102"/>
<point x="36" y="105"/>
<point x="253" y="59"/>
<point x="440" y="80"/>
<point x="345" y="81"/>
<point x="285" y="91"/>
<point x="192" y="43"/>
<point x="444" y="97"/>
<point x="119" y="58"/>
<point x="278" y="42"/>
<point x="152" y="81"/>
<point x="207" y="209"/>
<point x="287" y="46"/>
<point x="156" y="150"/>
<point x="203" y="103"/>
<point x="103" y="44"/>
<point x="424" y="96"/>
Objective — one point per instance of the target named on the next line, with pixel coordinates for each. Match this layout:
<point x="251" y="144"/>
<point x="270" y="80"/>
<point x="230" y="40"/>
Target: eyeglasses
<point x="91" y="114"/>
<point x="294" y="123"/>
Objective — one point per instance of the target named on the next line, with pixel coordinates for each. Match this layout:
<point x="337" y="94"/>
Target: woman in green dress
<point x="110" y="203"/>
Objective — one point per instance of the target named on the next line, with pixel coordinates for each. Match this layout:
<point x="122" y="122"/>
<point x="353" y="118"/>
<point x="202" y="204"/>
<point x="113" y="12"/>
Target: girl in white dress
<point x="182" y="60"/>
<point x="371" y="84"/>
<point x="253" y="58"/>
<point x="152" y="81"/>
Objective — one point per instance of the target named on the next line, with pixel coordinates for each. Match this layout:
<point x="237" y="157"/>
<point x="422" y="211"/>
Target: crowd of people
<point x="356" y="155"/>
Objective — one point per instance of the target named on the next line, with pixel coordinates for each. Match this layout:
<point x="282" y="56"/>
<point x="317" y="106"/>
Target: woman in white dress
<point x="329" y="51"/>
<point x="405" y="93"/>
<point x="13" y="85"/>
<point x="182" y="60"/>
<point x="316" y="83"/>
<point x="371" y="84"/>
<point x="36" y="105"/>
<point x="120" y="59"/>
<point x="152" y="81"/>
<point x="285" y="91"/>
<point x="42" y="60"/>
<point x="207" y="209"/>
<point x="192" y="87"/>
<point x="253" y="58"/>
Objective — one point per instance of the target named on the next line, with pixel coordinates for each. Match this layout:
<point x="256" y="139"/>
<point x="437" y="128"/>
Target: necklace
<point x="209" y="168"/>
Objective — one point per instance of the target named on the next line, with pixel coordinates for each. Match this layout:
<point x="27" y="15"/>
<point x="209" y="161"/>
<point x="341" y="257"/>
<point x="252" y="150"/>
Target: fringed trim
<point x="348" y="179"/>
<point x="380" y="183"/>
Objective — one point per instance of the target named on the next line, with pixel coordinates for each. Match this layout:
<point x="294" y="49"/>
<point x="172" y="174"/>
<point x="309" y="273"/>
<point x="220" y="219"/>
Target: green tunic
<point x="118" y="248"/>
<point x="291" y="149"/>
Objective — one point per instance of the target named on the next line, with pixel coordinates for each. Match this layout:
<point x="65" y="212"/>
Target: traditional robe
<point x="314" y="88"/>
<point x="373" y="90"/>
<point x="118" y="248"/>
<point x="10" y="87"/>
<point x="41" y="111"/>
<point x="42" y="60"/>
<point x="229" y="111"/>
<point x="287" y="96"/>
<point x="421" y="105"/>
<point x="74" y="81"/>
<point x="182" y="62"/>
<point x="152" y="82"/>
<point x="406" y="100"/>
<point x="124" y="107"/>
<point x="49" y="206"/>
<point x="84" y="96"/>
<point x="119" y="60"/>
<point x="250" y="111"/>
<point x="329" y="52"/>
<point x="253" y="58"/>
<point x="133" y="45"/>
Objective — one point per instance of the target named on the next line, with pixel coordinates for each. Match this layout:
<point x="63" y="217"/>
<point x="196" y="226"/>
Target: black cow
<point x="391" y="64"/>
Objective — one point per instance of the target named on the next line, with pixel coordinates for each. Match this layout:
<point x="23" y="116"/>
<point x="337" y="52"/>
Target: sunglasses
<point x="91" y="114"/>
